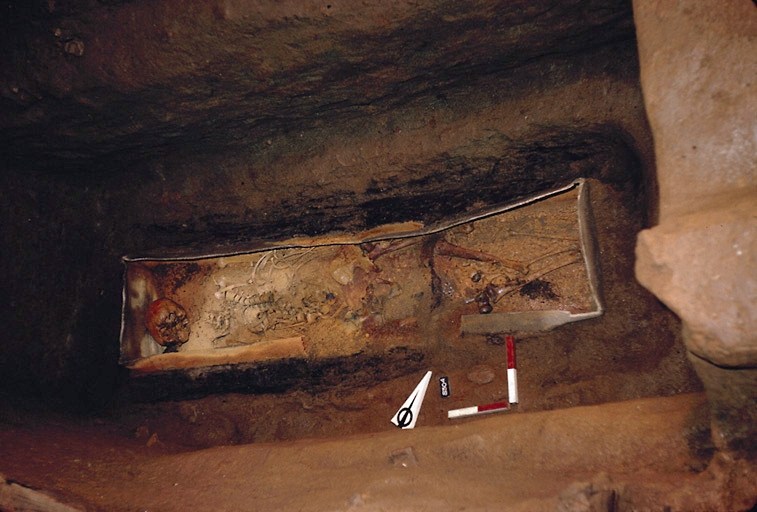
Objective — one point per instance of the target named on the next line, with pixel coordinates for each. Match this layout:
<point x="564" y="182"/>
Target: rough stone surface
<point x="598" y="495"/>
<point x="733" y="405"/>
<point x="17" y="497"/>
<point x="703" y="265"/>
<point x="701" y="259"/>
<point x="698" y="61"/>
<point x="87" y="80"/>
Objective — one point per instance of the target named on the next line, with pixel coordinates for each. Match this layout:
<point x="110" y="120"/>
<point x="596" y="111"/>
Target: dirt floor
<point x="634" y="455"/>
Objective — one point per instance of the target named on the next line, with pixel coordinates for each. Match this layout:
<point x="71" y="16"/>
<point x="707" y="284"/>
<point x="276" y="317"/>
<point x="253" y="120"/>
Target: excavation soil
<point x="574" y="459"/>
<point x="633" y="350"/>
<point x="333" y="448"/>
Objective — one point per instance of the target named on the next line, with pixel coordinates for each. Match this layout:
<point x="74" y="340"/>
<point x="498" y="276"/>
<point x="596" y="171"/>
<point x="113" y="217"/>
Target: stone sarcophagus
<point x="526" y="266"/>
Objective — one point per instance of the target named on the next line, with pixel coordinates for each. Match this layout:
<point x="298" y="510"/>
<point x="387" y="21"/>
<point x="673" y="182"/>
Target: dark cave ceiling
<point x="96" y="85"/>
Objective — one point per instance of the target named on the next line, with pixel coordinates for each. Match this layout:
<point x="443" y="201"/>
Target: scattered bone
<point x="343" y="275"/>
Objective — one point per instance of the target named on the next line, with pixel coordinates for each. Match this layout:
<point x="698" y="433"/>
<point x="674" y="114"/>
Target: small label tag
<point x="444" y="386"/>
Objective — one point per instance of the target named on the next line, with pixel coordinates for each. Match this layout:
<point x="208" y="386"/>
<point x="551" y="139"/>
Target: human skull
<point x="167" y="322"/>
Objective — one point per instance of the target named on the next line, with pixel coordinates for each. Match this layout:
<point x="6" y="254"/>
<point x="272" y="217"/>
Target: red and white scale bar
<point x="512" y="371"/>
<point x="512" y="390"/>
<point x="478" y="409"/>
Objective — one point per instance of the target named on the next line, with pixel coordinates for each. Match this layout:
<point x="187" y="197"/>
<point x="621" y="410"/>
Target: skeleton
<point x="271" y="298"/>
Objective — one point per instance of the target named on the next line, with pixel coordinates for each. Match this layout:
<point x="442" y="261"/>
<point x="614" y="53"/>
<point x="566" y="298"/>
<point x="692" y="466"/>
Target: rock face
<point x="702" y="265"/>
<point x="698" y="71"/>
<point x="87" y="80"/>
<point x="156" y="127"/>
<point x="698" y="61"/>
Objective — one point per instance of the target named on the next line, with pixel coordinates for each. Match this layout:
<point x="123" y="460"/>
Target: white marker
<point x="407" y="415"/>
<point x="478" y="409"/>
<point x="512" y="371"/>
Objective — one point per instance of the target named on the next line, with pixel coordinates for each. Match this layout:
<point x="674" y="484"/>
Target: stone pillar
<point x="699" y="79"/>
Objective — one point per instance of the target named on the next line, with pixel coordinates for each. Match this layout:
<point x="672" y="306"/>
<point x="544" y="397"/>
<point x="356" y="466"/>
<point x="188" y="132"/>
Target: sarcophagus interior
<point x="523" y="267"/>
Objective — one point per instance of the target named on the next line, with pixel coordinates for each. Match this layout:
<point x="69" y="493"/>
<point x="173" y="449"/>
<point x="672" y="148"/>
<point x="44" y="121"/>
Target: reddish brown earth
<point x="559" y="460"/>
